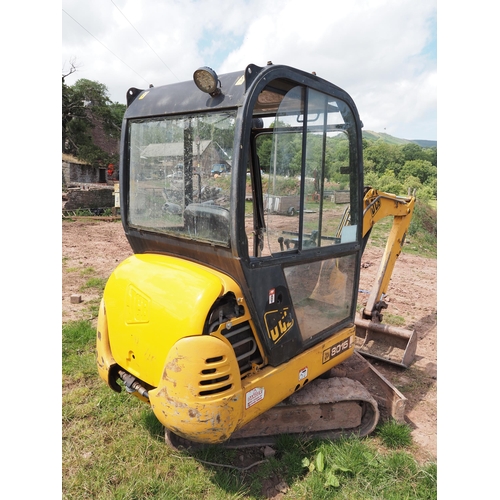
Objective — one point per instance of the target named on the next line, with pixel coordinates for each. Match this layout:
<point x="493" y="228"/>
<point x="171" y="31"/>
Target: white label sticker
<point x="303" y="373"/>
<point x="254" y="396"/>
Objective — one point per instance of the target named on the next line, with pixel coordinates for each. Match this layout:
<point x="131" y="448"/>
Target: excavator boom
<point x="379" y="341"/>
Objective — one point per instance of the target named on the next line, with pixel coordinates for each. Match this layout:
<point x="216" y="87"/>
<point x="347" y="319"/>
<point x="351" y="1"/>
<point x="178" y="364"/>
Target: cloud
<point x="380" y="51"/>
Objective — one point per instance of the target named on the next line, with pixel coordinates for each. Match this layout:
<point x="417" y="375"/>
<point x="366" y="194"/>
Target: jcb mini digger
<point x="230" y="307"/>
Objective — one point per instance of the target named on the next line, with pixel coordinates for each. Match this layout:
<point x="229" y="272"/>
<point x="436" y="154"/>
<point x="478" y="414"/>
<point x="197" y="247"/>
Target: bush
<point x="424" y="220"/>
<point x="412" y="183"/>
<point x="389" y="184"/>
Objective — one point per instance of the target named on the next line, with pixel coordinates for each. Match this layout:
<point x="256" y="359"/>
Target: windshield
<point x="173" y="189"/>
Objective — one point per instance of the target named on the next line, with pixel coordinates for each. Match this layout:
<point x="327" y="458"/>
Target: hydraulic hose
<point x="132" y="383"/>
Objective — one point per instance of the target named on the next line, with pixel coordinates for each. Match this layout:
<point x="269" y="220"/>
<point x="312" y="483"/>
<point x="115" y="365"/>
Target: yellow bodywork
<point x="150" y="324"/>
<point x="151" y="302"/>
<point x="376" y="206"/>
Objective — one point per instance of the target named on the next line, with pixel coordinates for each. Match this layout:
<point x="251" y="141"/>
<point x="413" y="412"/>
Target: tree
<point x="422" y="169"/>
<point x="384" y="156"/>
<point x="93" y="93"/>
<point x="86" y="105"/>
<point x="412" y="151"/>
<point x="72" y="109"/>
<point x="286" y="147"/>
<point x="389" y="184"/>
<point x="412" y="183"/>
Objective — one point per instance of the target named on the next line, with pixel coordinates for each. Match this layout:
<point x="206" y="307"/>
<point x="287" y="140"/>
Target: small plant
<point x="394" y="320"/>
<point x="394" y="434"/>
<point x="330" y="472"/>
<point x="93" y="307"/>
<point x="96" y="283"/>
<point x="87" y="271"/>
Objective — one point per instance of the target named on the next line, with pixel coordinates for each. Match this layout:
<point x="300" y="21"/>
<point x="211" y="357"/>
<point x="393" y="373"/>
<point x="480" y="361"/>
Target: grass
<point x="113" y="448"/>
<point x="415" y="381"/>
<point x="394" y="434"/>
<point x="394" y="319"/>
<point x="94" y="283"/>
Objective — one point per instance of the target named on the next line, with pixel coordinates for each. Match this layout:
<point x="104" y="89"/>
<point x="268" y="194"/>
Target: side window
<point x="283" y="190"/>
<point x="305" y="164"/>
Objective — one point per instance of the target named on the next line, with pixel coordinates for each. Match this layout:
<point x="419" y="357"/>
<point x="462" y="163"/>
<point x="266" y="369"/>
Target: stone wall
<point x="90" y="198"/>
<point x="78" y="173"/>
<point x="341" y="196"/>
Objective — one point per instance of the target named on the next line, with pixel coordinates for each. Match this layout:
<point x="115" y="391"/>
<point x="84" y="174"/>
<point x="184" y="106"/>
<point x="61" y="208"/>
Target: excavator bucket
<point x="386" y="343"/>
<point x="374" y="339"/>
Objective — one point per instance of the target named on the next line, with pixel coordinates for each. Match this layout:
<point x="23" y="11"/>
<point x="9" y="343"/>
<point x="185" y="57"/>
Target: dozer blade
<point x="391" y="402"/>
<point x="386" y="343"/>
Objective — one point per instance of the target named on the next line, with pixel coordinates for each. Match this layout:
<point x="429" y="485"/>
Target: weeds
<point x="92" y="308"/>
<point x="78" y="343"/>
<point x="394" y="320"/>
<point x="94" y="283"/>
<point x="394" y="434"/>
<point x="421" y="238"/>
<point x="88" y="212"/>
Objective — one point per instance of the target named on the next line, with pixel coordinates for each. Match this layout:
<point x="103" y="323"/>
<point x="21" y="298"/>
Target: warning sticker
<point x="303" y="373"/>
<point x="254" y="396"/>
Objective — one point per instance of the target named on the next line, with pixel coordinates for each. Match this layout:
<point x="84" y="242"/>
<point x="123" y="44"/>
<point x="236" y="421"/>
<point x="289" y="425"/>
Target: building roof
<point x="172" y="149"/>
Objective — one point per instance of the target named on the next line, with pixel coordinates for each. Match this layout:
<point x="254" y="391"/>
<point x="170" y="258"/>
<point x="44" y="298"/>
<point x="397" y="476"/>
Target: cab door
<point x="304" y="248"/>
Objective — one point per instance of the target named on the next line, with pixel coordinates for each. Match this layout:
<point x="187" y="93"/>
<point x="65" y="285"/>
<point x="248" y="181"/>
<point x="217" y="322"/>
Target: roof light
<point x="206" y="80"/>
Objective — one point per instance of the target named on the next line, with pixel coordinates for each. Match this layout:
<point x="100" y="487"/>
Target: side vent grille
<point x="244" y="345"/>
<point x="216" y="377"/>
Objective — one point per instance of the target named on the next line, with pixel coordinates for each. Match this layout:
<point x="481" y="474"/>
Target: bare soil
<point x="92" y="248"/>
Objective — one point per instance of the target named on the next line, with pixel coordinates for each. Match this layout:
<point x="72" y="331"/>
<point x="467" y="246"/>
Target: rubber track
<point x="329" y="391"/>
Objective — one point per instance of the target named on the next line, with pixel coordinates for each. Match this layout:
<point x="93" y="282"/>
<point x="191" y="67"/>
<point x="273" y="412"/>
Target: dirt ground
<point x="94" y="248"/>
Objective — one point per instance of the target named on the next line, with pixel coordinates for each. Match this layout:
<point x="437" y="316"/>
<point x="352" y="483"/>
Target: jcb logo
<point x="136" y="306"/>
<point x="278" y="323"/>
<point x="376" y="206"/>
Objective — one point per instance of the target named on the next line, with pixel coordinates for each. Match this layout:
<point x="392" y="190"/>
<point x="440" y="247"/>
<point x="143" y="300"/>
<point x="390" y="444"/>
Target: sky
<point x="382" y="52"/>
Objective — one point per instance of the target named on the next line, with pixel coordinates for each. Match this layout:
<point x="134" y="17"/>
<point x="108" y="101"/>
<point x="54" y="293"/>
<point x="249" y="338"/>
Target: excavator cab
<point x="243" y="287"/>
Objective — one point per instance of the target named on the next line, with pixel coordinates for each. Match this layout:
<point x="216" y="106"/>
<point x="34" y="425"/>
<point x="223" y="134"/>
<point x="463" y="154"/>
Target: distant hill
<point x="376" y="136"/>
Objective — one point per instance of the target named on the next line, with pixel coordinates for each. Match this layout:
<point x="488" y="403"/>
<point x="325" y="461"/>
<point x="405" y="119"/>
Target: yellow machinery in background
<point x="383" y="342"/>
<point x="229" y="334"/>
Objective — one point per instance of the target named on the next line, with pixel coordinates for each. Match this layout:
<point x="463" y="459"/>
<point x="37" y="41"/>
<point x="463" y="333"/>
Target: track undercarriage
<point x="348" y="400"/>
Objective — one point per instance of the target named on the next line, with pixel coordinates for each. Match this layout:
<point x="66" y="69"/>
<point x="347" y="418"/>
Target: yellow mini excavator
<point x="235" y="317"/>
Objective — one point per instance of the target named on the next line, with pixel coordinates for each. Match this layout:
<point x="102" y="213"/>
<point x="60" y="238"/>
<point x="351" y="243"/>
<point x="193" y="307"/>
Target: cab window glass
<point x="305" y="164"/>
